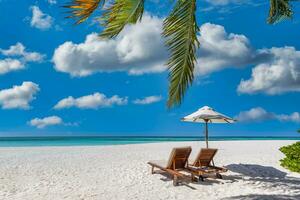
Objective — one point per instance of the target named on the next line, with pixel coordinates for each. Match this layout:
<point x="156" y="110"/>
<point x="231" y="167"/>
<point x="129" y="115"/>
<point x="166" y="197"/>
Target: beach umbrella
<point x="207" y="115"/>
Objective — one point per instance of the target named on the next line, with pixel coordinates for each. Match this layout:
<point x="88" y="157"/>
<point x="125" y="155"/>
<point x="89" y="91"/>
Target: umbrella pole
<point x="206" y="133"/>
<point x="206" y="138"/>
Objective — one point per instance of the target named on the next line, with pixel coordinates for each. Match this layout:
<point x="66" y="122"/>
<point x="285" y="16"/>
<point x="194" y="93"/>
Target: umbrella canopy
<point x="207" y="115"/>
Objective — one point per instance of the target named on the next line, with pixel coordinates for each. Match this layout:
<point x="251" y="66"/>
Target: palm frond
<point x="82" y="9"/>
<point x="122" y="12"/>
<point x="279" y="10"/>
<point x="180" y="29"/>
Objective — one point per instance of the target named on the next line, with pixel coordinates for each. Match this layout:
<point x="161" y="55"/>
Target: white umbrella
<point x="207" y="115"/>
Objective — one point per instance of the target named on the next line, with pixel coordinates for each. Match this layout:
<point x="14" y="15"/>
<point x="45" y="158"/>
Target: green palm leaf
<point x="82" y="9"/>
<point x="180" y="30"/>
<point x="279" y="10"/>
<point x="122" y="12"/>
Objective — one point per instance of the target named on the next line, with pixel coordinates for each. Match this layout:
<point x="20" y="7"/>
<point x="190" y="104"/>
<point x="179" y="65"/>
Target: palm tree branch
<point x="279" y="10"/>
<point x="82" y="9"/>
<point x="121" y="13"/>
<point x="180" y="30"/>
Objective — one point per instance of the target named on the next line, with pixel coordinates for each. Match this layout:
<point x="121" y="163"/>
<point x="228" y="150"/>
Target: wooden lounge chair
<point x="178" y="161"/>
<point x="202" y="164"/>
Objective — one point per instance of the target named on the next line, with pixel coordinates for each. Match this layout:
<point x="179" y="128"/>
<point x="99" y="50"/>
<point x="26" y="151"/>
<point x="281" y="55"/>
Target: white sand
<point x="121" y="172"/>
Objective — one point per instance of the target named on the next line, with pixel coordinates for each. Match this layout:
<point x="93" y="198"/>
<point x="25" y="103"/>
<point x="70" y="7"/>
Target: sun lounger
<point x="178" y="162"/>
<point x="202" y="164"/>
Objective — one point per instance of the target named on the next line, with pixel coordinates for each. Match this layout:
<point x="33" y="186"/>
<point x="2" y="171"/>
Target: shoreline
<point x="200" y="143"/>
<point x="137" y="136"/>
<point x="107" y="141"/>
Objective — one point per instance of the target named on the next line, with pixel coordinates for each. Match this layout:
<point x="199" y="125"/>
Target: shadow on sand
<point x="257" y="171"/>
<point x="264" y="197"/>
<point x="267" y="176"/>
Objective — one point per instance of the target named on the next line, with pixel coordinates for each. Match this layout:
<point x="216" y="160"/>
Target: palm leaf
<point x="180" y="29"/>
<point x="82" y="9"/>
<point x="279" y="10"/>
<point x="122" y="12"/>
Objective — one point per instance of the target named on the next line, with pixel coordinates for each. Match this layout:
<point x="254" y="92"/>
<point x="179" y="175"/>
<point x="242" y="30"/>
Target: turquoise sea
<point x="96" y="140"/>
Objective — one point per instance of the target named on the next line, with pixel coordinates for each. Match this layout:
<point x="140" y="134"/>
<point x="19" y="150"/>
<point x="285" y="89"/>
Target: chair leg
<point x="200" y="178"/>
<point x="175" y="181"/>
<point x="219" y="176"/>
<point x="193" y="177"/>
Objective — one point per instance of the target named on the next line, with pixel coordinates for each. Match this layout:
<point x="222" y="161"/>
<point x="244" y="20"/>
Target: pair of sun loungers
<point x="178" y="164"/>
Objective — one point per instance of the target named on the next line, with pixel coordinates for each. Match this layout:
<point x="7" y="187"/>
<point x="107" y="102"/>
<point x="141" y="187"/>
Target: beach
<point x="121" y="172"/>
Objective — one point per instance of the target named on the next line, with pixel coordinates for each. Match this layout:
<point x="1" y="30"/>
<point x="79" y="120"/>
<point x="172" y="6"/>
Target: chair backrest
<point x="204" y="157"/>
<point x="179" y="157"/>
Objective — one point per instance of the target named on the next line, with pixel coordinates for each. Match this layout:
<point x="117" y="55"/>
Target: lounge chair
<point x="202" y="164"/>
<point x="178" y="161"/>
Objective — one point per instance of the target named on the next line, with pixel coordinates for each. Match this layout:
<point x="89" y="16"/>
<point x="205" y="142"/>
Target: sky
<point x="60" y="79"/>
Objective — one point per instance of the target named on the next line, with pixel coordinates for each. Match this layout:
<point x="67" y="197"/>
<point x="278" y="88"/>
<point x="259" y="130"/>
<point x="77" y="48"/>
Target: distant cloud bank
<point x="258" y="114"/>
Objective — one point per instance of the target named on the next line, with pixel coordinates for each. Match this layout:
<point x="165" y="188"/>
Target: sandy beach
<point x="121" y="172"/>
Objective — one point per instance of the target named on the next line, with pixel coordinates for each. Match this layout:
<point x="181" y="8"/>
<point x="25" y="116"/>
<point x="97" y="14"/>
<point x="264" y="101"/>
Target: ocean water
<point x="91" y="141"/>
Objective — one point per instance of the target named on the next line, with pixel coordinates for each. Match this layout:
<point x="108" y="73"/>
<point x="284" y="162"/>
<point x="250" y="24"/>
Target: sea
<point x="100" y="140"/>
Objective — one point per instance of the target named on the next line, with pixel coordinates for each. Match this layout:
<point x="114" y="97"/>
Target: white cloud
<point x="221" y="50"/>
<point x="20" y="58"/>
<point x="52" y="2"/>
<point x="18" y="96"/>
<point x="280" y="75"/>
<point x="228" y="6"/>
<point x="232" y="4"/>
<point x="8" y="65"/>
<point x="148" y="100"/>
<point x="225" y="2"/>
<point x="258" y="114"/>
<point x="93" y="101"/>
<point x="294" y="117"/>
<point x="254" y="115"/>
<point x="44" y="122"/>
<point x="137" y="50"/>
<point x="14" y="50"/>
<point x="39" y="19"/>
<point x="20" y="50"/>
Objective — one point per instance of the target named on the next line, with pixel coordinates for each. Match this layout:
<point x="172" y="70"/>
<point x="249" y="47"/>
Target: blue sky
<point x="59" y="79"/>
